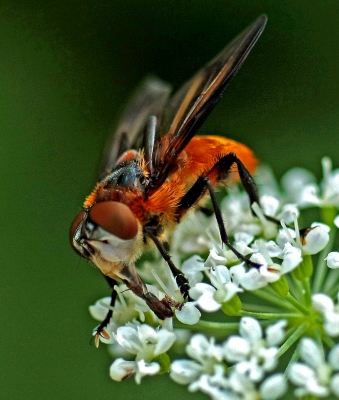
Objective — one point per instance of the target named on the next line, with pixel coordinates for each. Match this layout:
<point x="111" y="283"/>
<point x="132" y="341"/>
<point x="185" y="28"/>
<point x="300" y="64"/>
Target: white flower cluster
<point x="314" y="376"/>
<point x="293" y="292"/>
<point x="146" y="344"/>
<point x="250" y="355"/>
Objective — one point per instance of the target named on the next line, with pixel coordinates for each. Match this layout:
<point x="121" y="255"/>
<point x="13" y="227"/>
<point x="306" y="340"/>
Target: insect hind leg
<point x="223" y="235"/>
<point x="222" y="169"/>
<point x="218" y="173"/>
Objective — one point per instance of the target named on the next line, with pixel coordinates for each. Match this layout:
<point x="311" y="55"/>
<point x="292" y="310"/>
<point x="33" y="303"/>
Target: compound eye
<point x="74" y="227"/>
<point x="116" y="218"/>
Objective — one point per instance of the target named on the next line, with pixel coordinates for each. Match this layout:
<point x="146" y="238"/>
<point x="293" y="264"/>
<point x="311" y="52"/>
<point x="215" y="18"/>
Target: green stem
<point x="217" y="328"/>
<point x="293" y="338"/>
<point x="296" y="285"/>
<point x="307" y="291"/>
<point x="258" y="307"/>
<point x="296" y="304"/>
<point x="318" y="339"/>
<point x="331" y="282"/>
<point x="273" y="316"/>
<point x="271" y="297"/>
<point x="293" y="359"/>
<point x="328" y="341"/>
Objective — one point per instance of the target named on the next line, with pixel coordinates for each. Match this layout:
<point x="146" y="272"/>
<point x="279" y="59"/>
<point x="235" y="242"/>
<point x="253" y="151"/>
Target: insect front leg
<point x="100" y="330"/>
<point x="161" y="308"/>
<point x="180" y="278"/>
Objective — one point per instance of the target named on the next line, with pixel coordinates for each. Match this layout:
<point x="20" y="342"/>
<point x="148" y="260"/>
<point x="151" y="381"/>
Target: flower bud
<point x="281" y="286"/>
<point x="314" y="240"/>
<point x="232" y="307"/>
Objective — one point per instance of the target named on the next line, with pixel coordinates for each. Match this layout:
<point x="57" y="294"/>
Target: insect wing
<point x="149" y="99"/>
<point x="190" y="106"/>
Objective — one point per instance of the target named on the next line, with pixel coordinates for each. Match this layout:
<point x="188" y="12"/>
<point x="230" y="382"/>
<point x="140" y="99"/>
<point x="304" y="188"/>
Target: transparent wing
<point x="188" y="108"/>
<point x="148" y="100"/>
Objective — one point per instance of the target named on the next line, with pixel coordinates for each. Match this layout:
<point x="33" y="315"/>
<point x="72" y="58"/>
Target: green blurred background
<point x="65" y="71"/>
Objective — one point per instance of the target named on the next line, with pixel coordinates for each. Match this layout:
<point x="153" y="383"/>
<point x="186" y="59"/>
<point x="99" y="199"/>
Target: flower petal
<point x="185" y="371"/>
<point x="122" y="369"/>
<point x="273" y="387"/>
<point x="189" y="314"/>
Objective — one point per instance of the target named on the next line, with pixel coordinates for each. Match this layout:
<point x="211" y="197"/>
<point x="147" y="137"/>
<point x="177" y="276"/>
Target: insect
<point x="156" y="170"/>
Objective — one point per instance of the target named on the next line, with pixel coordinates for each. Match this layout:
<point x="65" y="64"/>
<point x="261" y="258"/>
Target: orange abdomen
<point x="203" y="152"/>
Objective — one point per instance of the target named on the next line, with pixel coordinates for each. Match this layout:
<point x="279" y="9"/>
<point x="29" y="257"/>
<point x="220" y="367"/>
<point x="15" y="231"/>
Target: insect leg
<point x="219" y="173"/>
<point x="177" y="273"/>
<point x="224" y="166"/>
<point x="223" y="235"/>
<point x="105" y="322"/>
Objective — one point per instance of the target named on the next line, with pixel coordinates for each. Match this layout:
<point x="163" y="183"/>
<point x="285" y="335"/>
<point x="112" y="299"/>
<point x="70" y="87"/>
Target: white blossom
<point x="333" y="260"/>
<point x="193" y="268"/>
<point x="121" y="369"/>
<point x="266" y="291"/>
<point x="144" y="341"/>
<point x="254" y="354"/>
<point x="315" y="376"/>
<point x="327" y="194"/>
<point x="330" y="311"/>
<point x="205" y="354"/>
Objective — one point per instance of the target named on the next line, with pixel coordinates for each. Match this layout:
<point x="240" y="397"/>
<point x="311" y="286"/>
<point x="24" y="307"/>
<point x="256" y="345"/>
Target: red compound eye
<point x="116" y="218"/>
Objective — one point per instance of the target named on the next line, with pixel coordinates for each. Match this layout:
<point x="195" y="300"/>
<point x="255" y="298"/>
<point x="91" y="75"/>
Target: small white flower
<point x="312" y="241"/>
<point x="189" y="314"/>
<point x="272" y="248"/>
<point x="287" y="212"/>
<point x="269" y="205"/>
<point x="144" y="341"/>
<point x="236" y="348"/>
<point x="250" y="329"/>
<point x="192" y="269"/>
<point x="122" y="369"/>
<point x="333" y="260"/>
<point x="273" y="387"/>
<point x="214" y="258"/>
<point x="221" y="279"/>
<point x="206" y="385"/>
<point x="315" y="376"/>
<point x="185" y="371"/>
<point x="190" y="236"/>
<point x="203" y="294"/>
<point x="275" y="333"/>
<point x="330" y="311"/>
<point x="291" y="257"/>
<point x="99" y="309"/>
<point x="268" y="271"/>
<point x="197" y="373"/>
<point x="249" y="280"/>
<point x="315" y="240"/>
<point x="204" y="350"/>
<point x="311" y="195"/>
<point x="254" y="354"/>
<point x="294" y="180"/>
